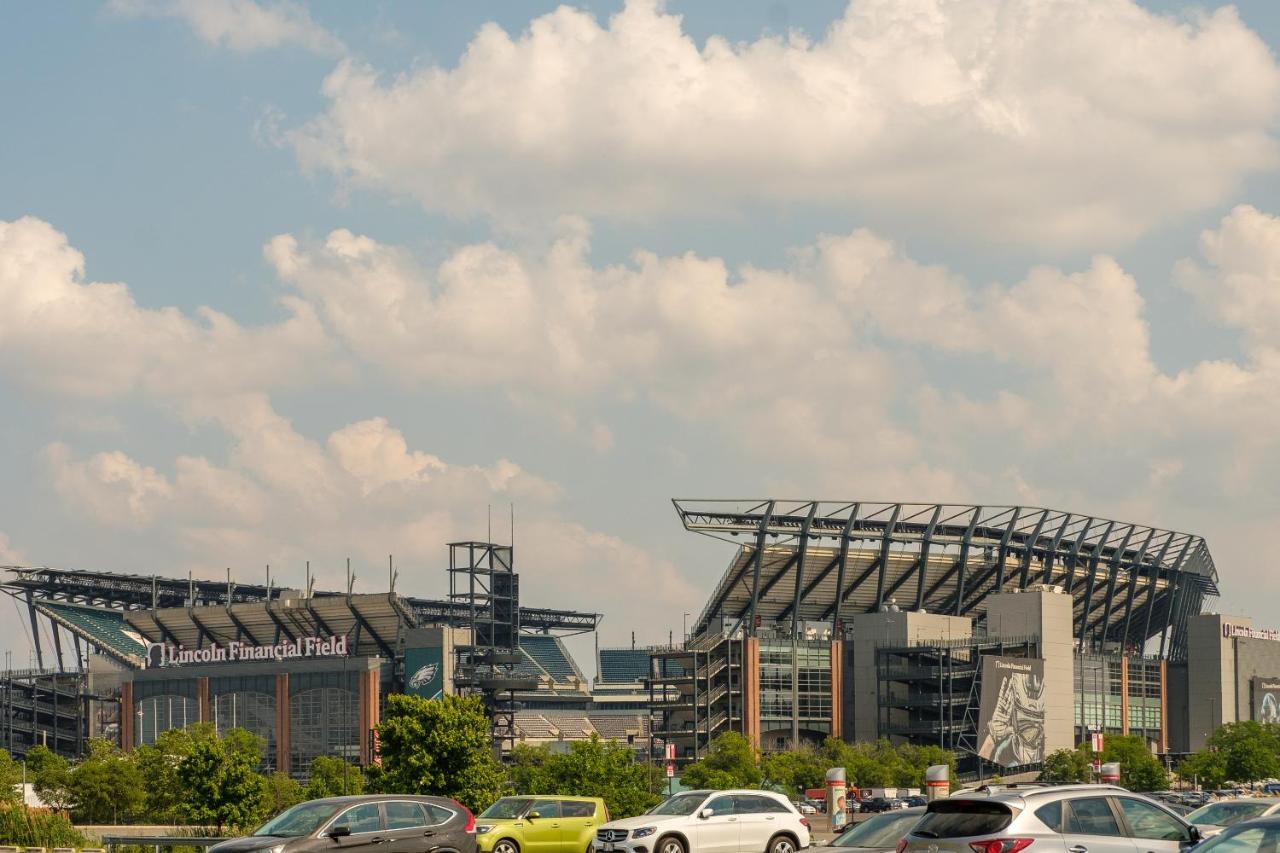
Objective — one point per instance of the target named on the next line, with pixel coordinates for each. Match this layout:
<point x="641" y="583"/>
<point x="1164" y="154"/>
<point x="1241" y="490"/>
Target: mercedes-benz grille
<point x="611" y="835"/>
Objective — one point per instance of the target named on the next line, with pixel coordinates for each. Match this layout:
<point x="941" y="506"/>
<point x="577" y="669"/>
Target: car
<point x="415" y="824"/>
<point x="1079" y="818"/>
<point x="875" y="805"/>
<point x="540" y="825"/>
<point x="1261" y="835"/>
<point x="1215" y="817"/>
<point x="880" y="833"/>
<point x="710" y="822"/>
<point x="915" y="801"/>
<point x="897" y="803"/>
<point x="805" y="808"/>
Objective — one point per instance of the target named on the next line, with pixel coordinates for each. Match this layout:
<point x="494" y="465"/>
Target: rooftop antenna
<point x="191" y="589"/>
<point x="513" y="526"/>
<point x="309" y="581"/>
<point x="268" y="583"/>
<point x="351" y="579"/>
<point x="155" y="592"/>
<point x="489" y="514"/>
<point x="392" y="574"/>
<point x="230" y="588"/>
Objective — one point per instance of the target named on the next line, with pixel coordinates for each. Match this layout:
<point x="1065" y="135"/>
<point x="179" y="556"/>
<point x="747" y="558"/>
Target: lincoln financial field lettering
<point x="163" y="654"/>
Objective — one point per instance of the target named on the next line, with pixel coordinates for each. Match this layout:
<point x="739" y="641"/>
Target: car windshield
<point x="1226" y="814"/>
<point x="681" y="804"/>
<point x="302" y="819"/>
<point x="881" y="831"/>
<point x="1243" y="838"/>
<point x="507" y="808"/>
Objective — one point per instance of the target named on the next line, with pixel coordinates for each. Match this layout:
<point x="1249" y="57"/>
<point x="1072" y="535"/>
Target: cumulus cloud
<point x="60" y="333"/>
<point x="1060" y="123"/>
<point x="243" y="26"/>
<point x="1238" y="279"/>
<point x="9" y="555"/>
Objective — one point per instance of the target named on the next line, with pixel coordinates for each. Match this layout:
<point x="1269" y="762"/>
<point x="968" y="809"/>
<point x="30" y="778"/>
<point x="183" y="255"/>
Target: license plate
<point x="608" y="847"/>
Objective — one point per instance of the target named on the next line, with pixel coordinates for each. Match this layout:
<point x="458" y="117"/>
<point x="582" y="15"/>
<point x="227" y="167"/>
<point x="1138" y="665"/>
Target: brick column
<point x="282" y="722"/>
<point x="204" y="703"/>
<point x="1164" y="706"/>
<point x="751" y="689"/>
<point x="127" y="712"/>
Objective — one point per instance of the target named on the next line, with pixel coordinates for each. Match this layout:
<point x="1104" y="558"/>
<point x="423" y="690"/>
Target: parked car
<point x="896" y="803"/>
<point x="880" y="833"/>
<point x="1092" y="818"/>
<point x="875" y="805"/>
<point x="915" y="802"/>
<point x="1216" y="817"/>
<point x="710" y="822"/>
<point x="805" y="808"/>
<point x="404" y="823"/>
<point x="1251" y="836"/>
<point x="540" y="825"/>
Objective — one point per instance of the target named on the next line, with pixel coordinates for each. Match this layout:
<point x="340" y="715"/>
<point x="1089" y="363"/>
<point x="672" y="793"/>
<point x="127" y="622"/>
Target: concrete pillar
<point x="128" y="717"/>
<point x="837" y="686"/>
<point x="282" y="722"/>
<point x="1047" y="615"/>
<point x="751" y="689"/>
<point x="204" y="703"/>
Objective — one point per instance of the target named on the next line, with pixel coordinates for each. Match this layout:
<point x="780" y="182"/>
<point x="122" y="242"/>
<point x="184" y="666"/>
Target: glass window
<point x="963" y="818"/>
<point x="439" y="814"/>
<point x="1227" y="813"/>
<point x="1243" y="839"/>
<point x="1051" y="815"/>
<point x="298" y="821"/>
<point x="362" y="818"/>
<point x="507" y="808"/>
<point x="404" y="815"/>
<point x="158" y="714"/>
<point x="753" y="804"/>
<point x="545" y="808"/>
<point x="577" y="808"/>
<point x="1149" y="821"/>
<point x="1092" y="816"/>
<point x="323" y="722"/>
<point x="882" y="831"/>
<point x="680" y="805"/>
<point x="721" y="805"/>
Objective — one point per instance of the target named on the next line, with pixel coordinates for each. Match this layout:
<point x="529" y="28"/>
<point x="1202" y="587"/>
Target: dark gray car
<point x="880" y="833"/>
<point x="365" y="824"/>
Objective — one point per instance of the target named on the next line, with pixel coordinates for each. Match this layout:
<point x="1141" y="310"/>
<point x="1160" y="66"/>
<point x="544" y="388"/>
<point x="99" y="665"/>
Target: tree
<point x="332" y="776"/>
<point x="280" y="792"/>
<point x="592" y="768"/>
<point x="10" y="779"/>
<point x="795" y="770"/>
<point x="1250" y="750"/>
<point x="1206" y="769"/>
<point x="1140" y="770"/>
<point x="731" y="762"/>
<point x="159" y="763"/>
<point x="221" y="785"/>
<point x="106" y="786"/>
<point x="1065" y="766"/>
<point x="50" y="776"/>
<point x="438" y="746"/>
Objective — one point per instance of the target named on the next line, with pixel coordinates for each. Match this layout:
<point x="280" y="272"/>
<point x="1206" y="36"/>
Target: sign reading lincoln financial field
<point x="163" y="654"/>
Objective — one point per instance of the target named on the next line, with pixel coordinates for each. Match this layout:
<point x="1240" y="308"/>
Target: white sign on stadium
<point x="163" y="654"/>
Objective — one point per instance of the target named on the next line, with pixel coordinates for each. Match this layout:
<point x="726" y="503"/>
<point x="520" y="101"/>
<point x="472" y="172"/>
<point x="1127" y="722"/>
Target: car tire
<point x="506" y="845"/>
<point x="782" y="844"/>
<point x="670" y="844"/>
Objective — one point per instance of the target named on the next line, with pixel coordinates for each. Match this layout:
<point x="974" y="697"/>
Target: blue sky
<point x="1078" y="343"/>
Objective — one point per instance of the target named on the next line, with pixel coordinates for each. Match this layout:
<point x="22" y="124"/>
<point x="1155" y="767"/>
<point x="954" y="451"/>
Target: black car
<point x="405" y="824"/>
<point x="875" y="805"/>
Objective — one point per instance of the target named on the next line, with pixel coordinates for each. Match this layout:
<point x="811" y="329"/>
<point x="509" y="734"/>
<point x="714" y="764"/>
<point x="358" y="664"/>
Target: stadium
<point x="999" y="632"/>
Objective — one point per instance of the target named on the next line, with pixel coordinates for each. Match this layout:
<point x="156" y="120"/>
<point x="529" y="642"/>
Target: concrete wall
<point x="870" y="630"/>
<point x="1045" y="614"/>
<point x="1254" y="657"/>
<point x="1211" y="676"/>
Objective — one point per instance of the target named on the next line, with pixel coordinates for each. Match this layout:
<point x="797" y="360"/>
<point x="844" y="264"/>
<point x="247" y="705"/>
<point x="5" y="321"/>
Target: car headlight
<point x="481" y="829"/>
<point x="279" y="848"/>
<point x="643" y="831"/>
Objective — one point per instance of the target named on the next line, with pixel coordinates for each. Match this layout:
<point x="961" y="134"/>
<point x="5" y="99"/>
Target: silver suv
<point x="1049" y="819"/>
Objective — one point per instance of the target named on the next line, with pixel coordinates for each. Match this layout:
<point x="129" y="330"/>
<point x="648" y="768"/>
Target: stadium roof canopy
<point x="814" y="561"/>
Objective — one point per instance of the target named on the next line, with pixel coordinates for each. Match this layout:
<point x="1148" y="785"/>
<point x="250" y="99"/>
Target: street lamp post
<point x="686" y="627"/>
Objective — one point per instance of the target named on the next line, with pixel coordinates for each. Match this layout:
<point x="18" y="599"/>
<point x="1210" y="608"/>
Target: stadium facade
<point x="865" y="620"/>
<point x="998" y="632"/>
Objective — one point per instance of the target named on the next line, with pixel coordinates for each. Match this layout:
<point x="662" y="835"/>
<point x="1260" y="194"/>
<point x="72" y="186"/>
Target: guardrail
<point x="158" y="842"/>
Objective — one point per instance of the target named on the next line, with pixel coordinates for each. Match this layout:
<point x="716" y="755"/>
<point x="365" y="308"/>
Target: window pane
<point x="404" y="815"/>
<point x="1051" y="815"/>
<point x="546" y="808"/>
<point x="439" y="814"/>
<point x="721" y="805"/>
<point x="1092" y="816"/>
<point x="575" y="808"/>
<point x="361" y="818"/>
<point x="1148" y="821"/>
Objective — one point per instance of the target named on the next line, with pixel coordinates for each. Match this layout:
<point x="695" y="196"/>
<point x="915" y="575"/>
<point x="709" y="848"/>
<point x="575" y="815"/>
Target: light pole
<point x="686" y="627"/>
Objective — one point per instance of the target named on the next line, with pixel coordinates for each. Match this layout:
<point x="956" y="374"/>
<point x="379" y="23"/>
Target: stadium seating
<point x="104" y="628"/>
<point x="548" y="655"/>
<point x="623" y="666"/>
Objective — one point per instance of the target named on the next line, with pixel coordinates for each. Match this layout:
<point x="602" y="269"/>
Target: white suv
<point x="710" y="822"/>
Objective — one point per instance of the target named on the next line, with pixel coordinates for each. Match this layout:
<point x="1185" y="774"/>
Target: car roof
<point x="1004" y="793"/>
<point x="352" y="799"/>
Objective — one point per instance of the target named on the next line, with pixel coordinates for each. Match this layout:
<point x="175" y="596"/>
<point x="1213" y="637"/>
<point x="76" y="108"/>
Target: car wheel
<point x="506" y="845"/>
<point x="782" y="844"/>
<point x="671" y="844"/>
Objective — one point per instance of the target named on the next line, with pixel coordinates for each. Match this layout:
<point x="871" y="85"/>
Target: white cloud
<point x="1060" y="123"/>
<point x="59" y="333"/>
<point x="110" y="488"/>
<point x="1238" y="282"/>
<point x="9" y="555"/>
<point x="244" y="26"/>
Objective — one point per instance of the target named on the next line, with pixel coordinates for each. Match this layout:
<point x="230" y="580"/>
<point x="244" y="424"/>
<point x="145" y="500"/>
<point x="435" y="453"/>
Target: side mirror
<point x="533" y="815"/>
<point x="339" y="831"/>
<point x="1194" y="832"/>
<point x="706" y="813"/>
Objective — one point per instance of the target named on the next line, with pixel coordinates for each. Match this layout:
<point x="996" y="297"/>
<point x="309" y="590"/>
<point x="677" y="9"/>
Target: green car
<point x="540" y="825"/>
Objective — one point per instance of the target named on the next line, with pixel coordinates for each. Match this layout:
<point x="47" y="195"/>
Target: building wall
<point x="1253" y="658"/>
<point x="869" y="630"/>
<point x="1045" y="614"/>
<point x="1211" y="676"/>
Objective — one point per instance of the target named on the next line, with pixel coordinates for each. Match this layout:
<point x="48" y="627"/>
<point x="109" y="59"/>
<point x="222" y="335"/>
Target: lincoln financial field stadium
<point x="999" y="632"/>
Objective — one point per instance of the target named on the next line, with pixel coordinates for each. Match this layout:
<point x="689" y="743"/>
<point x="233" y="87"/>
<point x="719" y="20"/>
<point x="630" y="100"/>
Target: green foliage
<point x="1206" y="768"/>
<point x="21" y="827"/>
<point x="1250" y="750"/>
<point x="593" y="768"/>
<point x="731" y="762"/>
<point x="280" y="792"/>
<point x="332" y="776"/>
<point x="1065" y="766"/>
<point x="221" y="786"/>
<point x="1140" y="770"/>
<point x="437" y="746"/>
<point x="881" y="764"/>
<point x="50" y="776"/>
<point x="795" y="770"/>
<point x="10" y="779"/>
<point x="159" y="763"/>
<point x="106" y="786"/>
